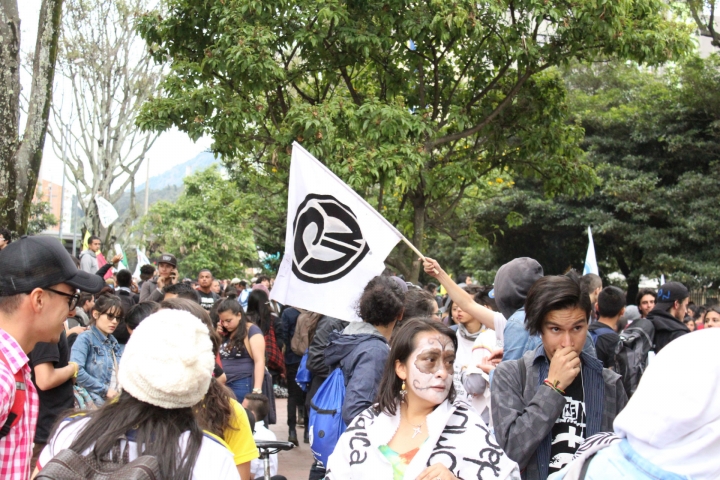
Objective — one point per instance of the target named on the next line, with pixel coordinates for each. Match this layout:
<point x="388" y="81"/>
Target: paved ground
<point x="294" y="464"/>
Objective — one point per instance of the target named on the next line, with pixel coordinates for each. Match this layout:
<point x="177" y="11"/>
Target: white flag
<point x="335" y="242"/>
<point x="119" y="251"/>
<point x="106" y="211"/>
<point x="591" y="265"/>
<point x="141" y="260"/>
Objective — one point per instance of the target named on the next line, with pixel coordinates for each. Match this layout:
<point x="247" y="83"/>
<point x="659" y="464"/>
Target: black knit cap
<point x="41" y="262"/>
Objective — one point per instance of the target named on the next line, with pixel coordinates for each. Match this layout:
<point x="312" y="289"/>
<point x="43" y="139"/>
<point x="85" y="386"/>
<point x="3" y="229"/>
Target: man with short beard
<point x="38" y="289"/>
<point x="207" y="296"/>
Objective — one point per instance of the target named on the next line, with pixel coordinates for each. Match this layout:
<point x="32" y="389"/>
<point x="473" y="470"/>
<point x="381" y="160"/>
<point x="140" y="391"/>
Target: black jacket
<point x="667" y="328"/>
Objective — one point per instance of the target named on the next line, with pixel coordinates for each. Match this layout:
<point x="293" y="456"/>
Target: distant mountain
<point x="166" y="186"/>
<point x="174" y="176"/>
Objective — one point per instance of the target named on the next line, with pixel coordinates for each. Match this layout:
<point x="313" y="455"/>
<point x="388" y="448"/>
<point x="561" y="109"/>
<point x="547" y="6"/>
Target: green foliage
<point x="412" y="104"/>
<point x="207" y="227"/>
<point x="40" y="218"/>
<point x="654" y="138"/>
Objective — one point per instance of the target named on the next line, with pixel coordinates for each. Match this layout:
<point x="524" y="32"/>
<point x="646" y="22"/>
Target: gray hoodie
<point x="88" y="262"/>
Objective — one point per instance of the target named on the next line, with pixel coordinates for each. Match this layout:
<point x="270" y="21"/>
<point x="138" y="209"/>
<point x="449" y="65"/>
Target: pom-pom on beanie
<point x="168" y="361"/>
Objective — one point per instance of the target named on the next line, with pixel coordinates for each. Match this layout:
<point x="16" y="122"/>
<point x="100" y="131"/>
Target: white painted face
<point x="430" y="367"/>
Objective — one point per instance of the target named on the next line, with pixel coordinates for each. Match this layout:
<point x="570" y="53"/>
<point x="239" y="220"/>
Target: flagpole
<point x="402" y="237"/>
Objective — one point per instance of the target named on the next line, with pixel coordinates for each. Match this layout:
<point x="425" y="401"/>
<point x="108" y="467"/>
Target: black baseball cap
<point x="669" y="292"/>
<point x="168" y="258"/>
<point x="41" y="262"/>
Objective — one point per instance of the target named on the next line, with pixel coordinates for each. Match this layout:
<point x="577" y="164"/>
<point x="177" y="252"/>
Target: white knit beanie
<point x="168" y="361"/>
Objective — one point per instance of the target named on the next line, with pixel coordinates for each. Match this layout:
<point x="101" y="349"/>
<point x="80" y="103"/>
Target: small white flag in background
<point x="106" y="211"/>
<point x="141" y="260"/>
<point x="119" y="251"/>
<point x="335" y="242"/>
<point x="590" y="259"/>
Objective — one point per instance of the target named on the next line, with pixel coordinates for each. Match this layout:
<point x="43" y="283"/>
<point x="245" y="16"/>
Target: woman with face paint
<point x="416" y="430"/>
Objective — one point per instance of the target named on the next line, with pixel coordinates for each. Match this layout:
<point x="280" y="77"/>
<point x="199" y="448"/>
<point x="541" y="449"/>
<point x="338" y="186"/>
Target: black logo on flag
<point x="328" y="242"/>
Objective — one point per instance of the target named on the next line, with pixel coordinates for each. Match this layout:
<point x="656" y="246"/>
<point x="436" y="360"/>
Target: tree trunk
<point x="633" y="282"/>
<point x="20" y="160"/>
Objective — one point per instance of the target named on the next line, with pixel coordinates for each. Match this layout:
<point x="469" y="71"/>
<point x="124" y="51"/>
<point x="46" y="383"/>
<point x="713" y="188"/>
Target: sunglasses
<point x="72" y="298"/>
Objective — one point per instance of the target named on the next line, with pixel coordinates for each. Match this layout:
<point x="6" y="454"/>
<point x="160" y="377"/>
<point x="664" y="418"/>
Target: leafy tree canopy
<point x="207" y="227"/>
<point x="412" y="104"/>
<point x="654" y="139"/>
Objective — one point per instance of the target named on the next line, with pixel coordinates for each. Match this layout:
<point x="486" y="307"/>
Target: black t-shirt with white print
<point x="207" y="300"/>
<point x="568" y="433"/>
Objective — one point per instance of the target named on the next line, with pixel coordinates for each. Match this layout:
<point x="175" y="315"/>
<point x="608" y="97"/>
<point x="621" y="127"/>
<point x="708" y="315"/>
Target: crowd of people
<point x="534" y="377"/>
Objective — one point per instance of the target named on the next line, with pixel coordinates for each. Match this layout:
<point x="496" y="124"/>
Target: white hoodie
<point x="673" y="420"/>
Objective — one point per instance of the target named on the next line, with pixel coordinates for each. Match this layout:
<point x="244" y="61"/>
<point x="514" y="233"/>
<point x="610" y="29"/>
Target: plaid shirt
<point x="16" y="447"/>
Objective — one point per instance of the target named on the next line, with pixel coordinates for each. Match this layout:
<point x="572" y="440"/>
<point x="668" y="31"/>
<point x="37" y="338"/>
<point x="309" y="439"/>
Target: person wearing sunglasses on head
<point x="97" y="352"/>
<point x="38" y="290"/>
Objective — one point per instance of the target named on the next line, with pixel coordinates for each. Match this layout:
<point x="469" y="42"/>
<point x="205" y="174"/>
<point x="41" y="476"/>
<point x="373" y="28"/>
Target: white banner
<point x="591" y="265"/>
<point x="106" y="212"/>
<point x="141" y="260"/>
<point x="335" y="242"/>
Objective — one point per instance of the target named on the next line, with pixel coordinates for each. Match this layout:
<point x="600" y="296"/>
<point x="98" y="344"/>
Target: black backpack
<point x="70" y="465"/>
<point x="631" y="356"/>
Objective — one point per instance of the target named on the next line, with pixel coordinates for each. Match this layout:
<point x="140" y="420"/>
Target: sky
<point x="171" y="148"/>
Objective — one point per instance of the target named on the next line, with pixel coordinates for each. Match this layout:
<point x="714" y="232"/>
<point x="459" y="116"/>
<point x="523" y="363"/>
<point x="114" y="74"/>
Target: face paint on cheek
<point x="426" y="364"/>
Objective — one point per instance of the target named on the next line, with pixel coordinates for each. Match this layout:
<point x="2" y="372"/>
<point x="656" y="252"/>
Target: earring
<point x="403" y="391"/>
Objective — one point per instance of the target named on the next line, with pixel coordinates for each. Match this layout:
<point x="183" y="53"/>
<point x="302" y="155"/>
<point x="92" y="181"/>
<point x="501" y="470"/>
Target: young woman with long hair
<point x="416" y="429"/>
<point x="259" y="312"/>
<point x="165" y="370"/>
<point x="97" y="352"/>
<point x="242" y="351"/>
<point x="219" y="413"/>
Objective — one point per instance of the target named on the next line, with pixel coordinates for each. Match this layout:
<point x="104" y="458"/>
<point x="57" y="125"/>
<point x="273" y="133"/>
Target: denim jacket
<point x="93" y="353"/>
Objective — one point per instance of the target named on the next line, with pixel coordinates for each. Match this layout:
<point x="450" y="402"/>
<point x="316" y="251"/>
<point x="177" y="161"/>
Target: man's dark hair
<point x="463" y="276"/>
<point x="382" y="301"/>
<point x="183" y="290"/>
<point x="243" y="283"/>
<point x="611" y="301"/>
<point x="258" y="404"/>
<point x="124" y="278"/>
<point x="590" y="282"/>
<point x="262" y="278"/>
<point x="84" y="298"/>
<point x="140" y="312"/>
<point x="6" y="234"/>
<point x="642" y="292"/>
<point x="551" y="293"/>
<point x="483" y="297"/>
<point x="700" y="311"/>
<point x="147" y="269"/>
<point x="431" y="287"/>
<point x="92" y="239"/>
<point x="419" y="303"/>
<point x="206" y="270"/>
